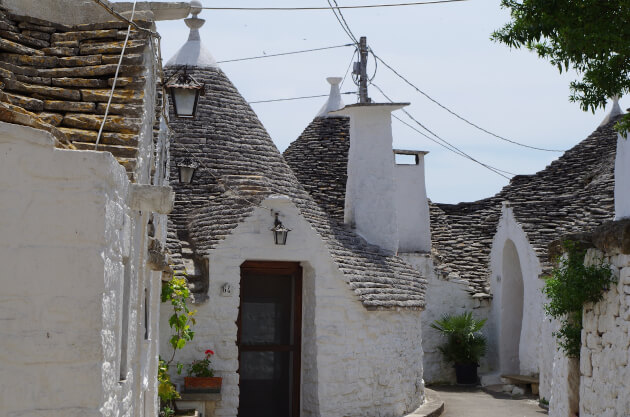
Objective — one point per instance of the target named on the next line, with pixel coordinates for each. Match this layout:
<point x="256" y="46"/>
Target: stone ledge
<point x="201" y="396"/>
<point x="433" y="405"/>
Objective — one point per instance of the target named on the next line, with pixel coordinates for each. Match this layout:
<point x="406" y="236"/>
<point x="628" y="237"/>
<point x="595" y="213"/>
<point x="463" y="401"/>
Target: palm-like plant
<point x="464" y="344"/>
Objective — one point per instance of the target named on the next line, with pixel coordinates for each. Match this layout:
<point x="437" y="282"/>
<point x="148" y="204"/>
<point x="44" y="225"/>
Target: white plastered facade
<point x="68" y="241"/>
<point x="517" y="312"/>
<point x="355" y="362"/>
<point x="445" y="296"/>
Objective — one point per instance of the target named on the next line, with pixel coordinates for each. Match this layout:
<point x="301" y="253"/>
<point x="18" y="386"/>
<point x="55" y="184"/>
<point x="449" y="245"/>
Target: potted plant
<point x="464" y="346"/>
<point x="201" y="376"/>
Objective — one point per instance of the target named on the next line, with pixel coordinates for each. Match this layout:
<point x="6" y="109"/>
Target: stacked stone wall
<point x="605" y="355"/>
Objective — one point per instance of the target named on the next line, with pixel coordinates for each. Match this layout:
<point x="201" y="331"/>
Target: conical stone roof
<point x="240" y="167"/>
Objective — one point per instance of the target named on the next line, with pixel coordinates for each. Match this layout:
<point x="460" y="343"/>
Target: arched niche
<point x="511" y="309"/>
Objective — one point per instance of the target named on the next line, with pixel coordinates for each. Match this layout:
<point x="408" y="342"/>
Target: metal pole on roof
<point x="363" y="78"/>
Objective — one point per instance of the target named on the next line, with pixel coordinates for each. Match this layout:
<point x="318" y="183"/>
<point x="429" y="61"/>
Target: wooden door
<point x="269" y="339"/>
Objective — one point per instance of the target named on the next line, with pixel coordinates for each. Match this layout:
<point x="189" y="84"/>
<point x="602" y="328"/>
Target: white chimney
<point x="412" y="206"/>
<point x="334" y="101"/>
<point x="371" y="198"/>
<point x="622" y="173"/>
<point x="614" y="112"/>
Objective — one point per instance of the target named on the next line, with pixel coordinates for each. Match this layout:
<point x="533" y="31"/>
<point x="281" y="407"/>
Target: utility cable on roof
<point x="285" y="53"/>
<point x="120" y="60"/>
<point x="123" y="18"/>
<point x="296" y="98"/>
<point x="365" y="6"/>
<point x="443" y="142"/>
<point x="344" y="24"/>
<point x="457" y="115"/>
<point x="348" y="69"/>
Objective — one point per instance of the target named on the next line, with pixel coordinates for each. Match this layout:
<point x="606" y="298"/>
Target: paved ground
<point x="474" y="402"/>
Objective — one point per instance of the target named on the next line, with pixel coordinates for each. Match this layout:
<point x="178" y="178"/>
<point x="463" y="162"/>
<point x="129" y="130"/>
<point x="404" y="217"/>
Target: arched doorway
<point x="511" y="310"/>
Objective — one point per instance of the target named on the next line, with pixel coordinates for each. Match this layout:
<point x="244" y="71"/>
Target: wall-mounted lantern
<point x="186" y="171"/>
<point x="279" y="232"/>
<point x="185" y="92"/>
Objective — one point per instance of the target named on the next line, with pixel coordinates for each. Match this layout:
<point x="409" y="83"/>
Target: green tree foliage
<point x="571" y="285"/>
<point x="464" y="342"/>
<point x="590" y="36"/>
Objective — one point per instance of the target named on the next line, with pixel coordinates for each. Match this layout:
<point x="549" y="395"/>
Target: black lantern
<point x="186" y="171"/>
<point x="185" y="92"/>
<point x="279" y="232"/>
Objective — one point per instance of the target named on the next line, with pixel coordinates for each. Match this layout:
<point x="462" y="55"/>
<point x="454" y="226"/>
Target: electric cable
<point x="285" y="53"/>
<point x="111" y="93"/>
<point x="345" y="29"/>
<point x="457" y="115"/>
<point x="365" y="6"/>
<point x="345" y="22"/>
<point x="442" y="142"/>
<point x="164" y="107"/>
<point x="123" y="18"/>
<point x="296" y="98"/>
<point x="348" y="69"/>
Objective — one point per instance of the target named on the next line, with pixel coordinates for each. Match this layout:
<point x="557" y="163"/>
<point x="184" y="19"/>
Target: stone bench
<point x="532" y="381"/>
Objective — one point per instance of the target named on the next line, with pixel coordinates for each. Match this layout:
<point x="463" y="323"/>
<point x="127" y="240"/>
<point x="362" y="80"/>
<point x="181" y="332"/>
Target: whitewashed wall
<point x="622" y="178"/>
<point x="444" y="296"/>
<point x="65" y="234"/>
<point x="605" y="355"/>
<point x="506" y="262"/>
<point x="412" y="207"/>
<point x="355" y="362"/>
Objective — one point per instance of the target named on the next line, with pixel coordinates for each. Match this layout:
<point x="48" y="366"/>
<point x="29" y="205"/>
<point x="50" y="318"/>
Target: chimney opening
<point x="406" y="159"/>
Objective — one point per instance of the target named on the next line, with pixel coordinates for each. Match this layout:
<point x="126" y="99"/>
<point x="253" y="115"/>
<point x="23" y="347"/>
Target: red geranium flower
<point x="209" y="352"/>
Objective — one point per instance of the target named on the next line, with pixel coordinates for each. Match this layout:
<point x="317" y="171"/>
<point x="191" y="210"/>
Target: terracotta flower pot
<point x="206" y="384"/>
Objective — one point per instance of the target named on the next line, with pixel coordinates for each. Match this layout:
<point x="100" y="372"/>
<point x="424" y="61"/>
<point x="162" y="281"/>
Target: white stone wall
<point x="622" y="178"/>
<point x="503" y="269"/>
<point x="412" y="208"/>
<point x="444" y="296"/>
<point x="565" y="385"/>
<point x="605" y="354"/>
<point x="66" y="231"/>
<point x="355" y="362"/>
<point x="549" y="347"/>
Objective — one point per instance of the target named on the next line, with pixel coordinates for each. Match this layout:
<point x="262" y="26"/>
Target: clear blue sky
<point x="444" y="49"/>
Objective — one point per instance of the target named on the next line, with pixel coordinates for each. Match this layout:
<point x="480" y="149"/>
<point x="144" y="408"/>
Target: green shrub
<point x="464" y="342"/>
<point x="571" y="285"/>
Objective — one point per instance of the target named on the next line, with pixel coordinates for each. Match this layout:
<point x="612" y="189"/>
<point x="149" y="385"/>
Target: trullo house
<point x="327" y="324"/>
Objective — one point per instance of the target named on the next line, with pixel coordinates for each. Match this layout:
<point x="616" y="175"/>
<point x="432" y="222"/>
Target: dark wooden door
<point x="269" y="339"/>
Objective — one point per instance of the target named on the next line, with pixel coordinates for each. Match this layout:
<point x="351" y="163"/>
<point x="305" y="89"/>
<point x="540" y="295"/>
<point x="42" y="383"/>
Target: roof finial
<point x="614" y="112"/>
<point x="194" y="23"/>
<point x="193" y="53"/>
<point x="334" y="101"/>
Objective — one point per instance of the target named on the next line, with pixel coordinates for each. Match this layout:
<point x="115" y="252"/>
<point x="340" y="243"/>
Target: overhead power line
<point x="285" y="53"/>
<point x="457" y="115"/>
<point x="296" y="98"/>
<point x="442" y="142"/>
<point x="365" y="6"/>
<point x="342" y="21"/>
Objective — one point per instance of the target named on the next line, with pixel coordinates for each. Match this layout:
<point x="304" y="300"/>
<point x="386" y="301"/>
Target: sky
<point x="444" y="49"/>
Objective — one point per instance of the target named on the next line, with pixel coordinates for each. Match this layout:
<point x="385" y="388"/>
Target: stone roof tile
<point x="58" y="78"/>
<point x="573" y="193"/>
<point x="241" y="167"/>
